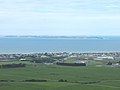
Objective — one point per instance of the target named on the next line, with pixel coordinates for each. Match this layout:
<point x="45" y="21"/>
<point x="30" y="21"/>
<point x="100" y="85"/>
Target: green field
<point x="78" y="78"/>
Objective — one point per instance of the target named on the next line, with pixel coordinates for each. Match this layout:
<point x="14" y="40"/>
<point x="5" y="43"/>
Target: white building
<point x="104" y="58"/>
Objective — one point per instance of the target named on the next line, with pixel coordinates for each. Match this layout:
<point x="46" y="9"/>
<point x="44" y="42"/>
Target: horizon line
<point x="58" y="35"/>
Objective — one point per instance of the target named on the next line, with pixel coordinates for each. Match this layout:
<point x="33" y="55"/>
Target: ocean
<point x="41" y="45"/>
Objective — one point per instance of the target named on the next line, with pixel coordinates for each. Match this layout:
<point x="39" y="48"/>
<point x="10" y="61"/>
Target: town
<point x="108" y="58"/>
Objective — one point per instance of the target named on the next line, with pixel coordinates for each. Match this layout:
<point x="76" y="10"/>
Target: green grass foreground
<point x="78" y="78"/>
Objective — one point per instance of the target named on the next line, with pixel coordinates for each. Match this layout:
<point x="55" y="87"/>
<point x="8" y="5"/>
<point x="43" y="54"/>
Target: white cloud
<point x="59" y="16"/>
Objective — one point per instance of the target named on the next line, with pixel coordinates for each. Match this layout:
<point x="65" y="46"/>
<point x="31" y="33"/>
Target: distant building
<point x="44" y="56"/>
<point x="104" y="58"/>
<point x="22" y="59"/>
<point x="79" y="61"/>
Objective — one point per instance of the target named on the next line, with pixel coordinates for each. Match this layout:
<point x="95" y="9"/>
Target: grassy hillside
<point x="78" y="78"/>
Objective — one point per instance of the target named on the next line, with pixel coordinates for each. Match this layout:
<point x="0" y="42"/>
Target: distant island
<point x="56" y="37"/>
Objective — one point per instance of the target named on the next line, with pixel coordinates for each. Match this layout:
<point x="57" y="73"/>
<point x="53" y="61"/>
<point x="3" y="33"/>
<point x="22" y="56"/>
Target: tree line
<point x="71" y="64"/>
<point x="12" y="65"/>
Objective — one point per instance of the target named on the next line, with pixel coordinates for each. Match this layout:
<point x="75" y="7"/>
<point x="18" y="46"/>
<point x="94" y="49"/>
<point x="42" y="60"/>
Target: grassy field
<point x="78" y="78"/>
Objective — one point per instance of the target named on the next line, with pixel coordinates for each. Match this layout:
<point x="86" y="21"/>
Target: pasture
<point x="77" y="78"/>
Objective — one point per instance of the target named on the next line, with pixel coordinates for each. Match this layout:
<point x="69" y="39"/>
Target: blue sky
<point x="60" y="17"/>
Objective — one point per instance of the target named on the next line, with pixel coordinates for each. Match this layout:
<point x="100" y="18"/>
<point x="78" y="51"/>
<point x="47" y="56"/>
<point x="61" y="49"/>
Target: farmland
<point x="77" y="78"/>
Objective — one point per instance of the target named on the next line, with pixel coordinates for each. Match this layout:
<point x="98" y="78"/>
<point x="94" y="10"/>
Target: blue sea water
<point x="36" y="45"/>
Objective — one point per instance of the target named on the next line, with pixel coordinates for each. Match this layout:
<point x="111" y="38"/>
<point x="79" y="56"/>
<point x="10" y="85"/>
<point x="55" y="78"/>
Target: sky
<point x="60" y="17"/>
